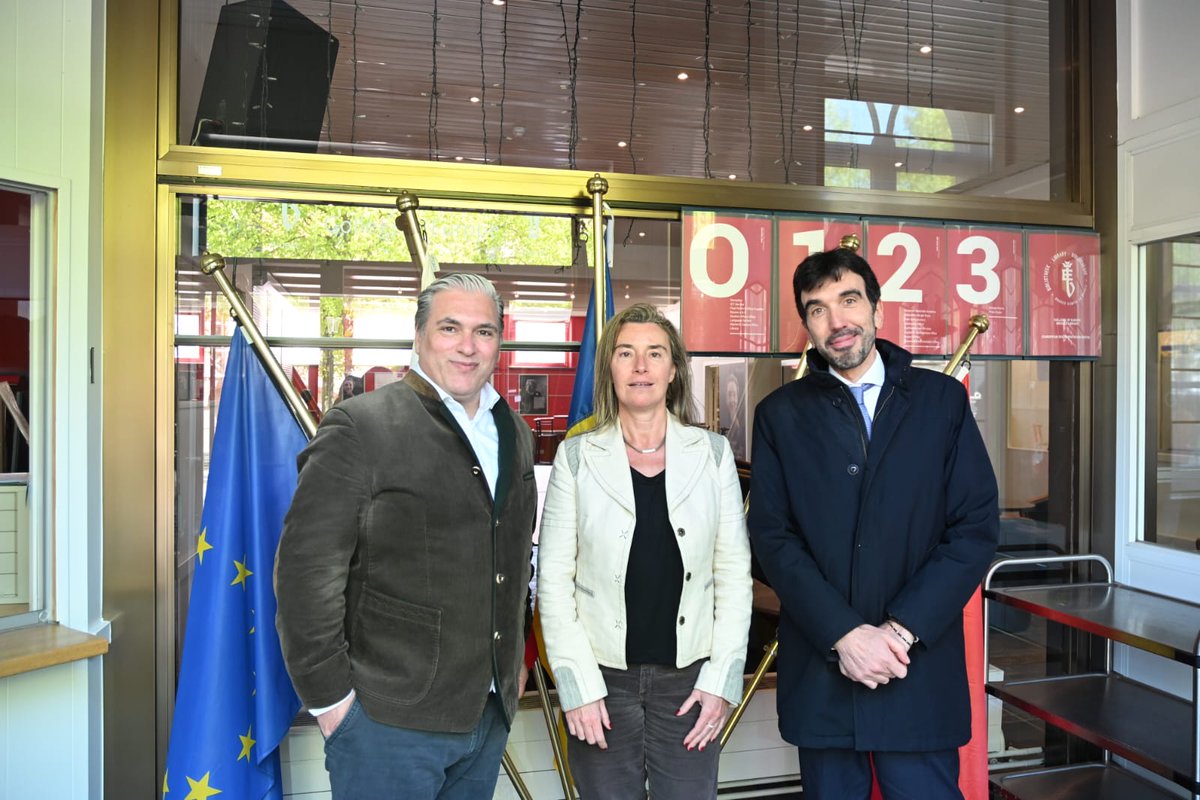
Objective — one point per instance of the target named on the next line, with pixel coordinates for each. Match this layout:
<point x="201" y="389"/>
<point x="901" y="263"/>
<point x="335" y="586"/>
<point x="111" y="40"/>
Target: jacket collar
<point x="505" y="427"/>
<point x="604" y="452"/>
<point x="896" y="362"/>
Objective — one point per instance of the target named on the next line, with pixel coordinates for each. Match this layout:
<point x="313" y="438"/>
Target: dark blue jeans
<point x="367" y="759"/>
<point x="646" y="740"/>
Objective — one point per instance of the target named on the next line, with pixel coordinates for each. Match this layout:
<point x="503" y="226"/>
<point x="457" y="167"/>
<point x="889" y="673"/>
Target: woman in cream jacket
<point x="644" y="585"/>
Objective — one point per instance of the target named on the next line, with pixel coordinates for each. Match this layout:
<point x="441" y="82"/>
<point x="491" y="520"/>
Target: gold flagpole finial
<point x="597" y="187"/>
<point x="407" y="204"/>
<point x="850" y="242"/>
<point x="213" y="265"/>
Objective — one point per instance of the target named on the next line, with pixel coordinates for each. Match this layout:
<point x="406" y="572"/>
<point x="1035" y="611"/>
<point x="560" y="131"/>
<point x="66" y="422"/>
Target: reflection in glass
<point x="1173" y="393"/>
<point x="920" y="97"/>
<point x="18" y="543"/>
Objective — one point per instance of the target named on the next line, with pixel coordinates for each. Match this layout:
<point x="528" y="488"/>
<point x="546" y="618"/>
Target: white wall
<point x="51" y="81"/>
<point x="1158" y="155"/>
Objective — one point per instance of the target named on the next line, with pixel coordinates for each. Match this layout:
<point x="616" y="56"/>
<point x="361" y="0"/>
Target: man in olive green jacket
<point x="403" y="567"/>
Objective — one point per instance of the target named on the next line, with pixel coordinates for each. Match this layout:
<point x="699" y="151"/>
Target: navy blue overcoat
<point x="852" y="531"/>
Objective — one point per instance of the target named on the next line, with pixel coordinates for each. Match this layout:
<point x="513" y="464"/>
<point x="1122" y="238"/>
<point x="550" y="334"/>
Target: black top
<point x="654" y="579"/>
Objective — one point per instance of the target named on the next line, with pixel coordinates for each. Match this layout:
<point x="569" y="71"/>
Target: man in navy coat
<point x="874" y="515"/>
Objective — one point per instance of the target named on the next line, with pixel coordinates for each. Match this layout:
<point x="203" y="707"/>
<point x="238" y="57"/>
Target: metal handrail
<point x="1004" y="563"/>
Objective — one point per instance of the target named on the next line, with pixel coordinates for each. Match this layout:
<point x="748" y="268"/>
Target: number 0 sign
<point x="726" y="281"/>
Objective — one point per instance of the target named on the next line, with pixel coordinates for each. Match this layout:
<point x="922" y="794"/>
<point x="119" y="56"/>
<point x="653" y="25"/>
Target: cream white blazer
<point x="583" y="551"/>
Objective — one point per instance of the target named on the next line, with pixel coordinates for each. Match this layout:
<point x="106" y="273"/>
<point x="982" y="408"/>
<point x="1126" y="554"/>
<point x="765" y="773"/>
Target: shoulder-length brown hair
<point x="679" y="392"/>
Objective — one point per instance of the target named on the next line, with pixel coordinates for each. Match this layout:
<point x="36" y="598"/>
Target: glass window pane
<point x="1173" y="394"/>
<point x="957" y="89"/>
<point x="20" y="310"/>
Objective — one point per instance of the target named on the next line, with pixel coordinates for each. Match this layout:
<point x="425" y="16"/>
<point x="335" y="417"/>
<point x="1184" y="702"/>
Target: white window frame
<point x="43" y="224"/>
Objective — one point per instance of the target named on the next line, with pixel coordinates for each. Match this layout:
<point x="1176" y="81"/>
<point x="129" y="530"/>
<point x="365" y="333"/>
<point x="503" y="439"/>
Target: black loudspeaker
<point x="267" y="81"/>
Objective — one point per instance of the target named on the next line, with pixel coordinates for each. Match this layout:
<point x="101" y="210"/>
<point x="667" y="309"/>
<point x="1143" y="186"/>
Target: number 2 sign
<point x="909" y="261"/>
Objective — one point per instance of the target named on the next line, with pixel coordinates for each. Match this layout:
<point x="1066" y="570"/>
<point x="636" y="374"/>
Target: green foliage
<point x="259" y="229"/>
<point x="923" y="182"/>
<point x="848" y="177"/>
<point x="926" y="126"/>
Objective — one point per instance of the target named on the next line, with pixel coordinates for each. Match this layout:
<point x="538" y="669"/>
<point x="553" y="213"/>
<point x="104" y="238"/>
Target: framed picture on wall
<point x="731" y="400"/>
<point x="532" y="393"/>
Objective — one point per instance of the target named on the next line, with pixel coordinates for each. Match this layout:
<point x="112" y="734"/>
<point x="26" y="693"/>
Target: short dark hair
<point x="821" y="268"/>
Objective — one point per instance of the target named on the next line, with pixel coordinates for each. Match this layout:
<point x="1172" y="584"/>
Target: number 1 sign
<point x="798" y="238"/>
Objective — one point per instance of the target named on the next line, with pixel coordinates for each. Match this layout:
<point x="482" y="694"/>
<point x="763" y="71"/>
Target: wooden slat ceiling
<point x="773" y="64"/>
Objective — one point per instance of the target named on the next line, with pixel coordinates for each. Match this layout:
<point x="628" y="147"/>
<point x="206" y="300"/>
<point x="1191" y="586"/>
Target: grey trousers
<point x="646" y="740"/>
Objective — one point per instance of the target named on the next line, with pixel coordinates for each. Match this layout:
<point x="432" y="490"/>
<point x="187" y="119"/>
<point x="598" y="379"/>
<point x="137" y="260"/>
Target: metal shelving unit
<point x="1153" y="729"/>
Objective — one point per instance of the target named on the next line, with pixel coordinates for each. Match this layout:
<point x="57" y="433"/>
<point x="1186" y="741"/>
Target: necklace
<point x="645" y="452"/>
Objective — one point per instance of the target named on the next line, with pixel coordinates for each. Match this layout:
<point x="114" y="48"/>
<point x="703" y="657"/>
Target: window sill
<point x="40" y="646"/>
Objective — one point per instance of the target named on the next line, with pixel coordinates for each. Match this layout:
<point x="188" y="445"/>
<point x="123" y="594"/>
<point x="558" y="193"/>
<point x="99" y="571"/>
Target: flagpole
<point x="598" y="187"/>
<point x="213" y="265"/>
<point x="407" y="204"/>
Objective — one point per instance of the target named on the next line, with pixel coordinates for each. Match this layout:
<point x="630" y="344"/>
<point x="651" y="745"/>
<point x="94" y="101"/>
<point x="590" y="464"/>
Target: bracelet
<point x="899" y="635"/>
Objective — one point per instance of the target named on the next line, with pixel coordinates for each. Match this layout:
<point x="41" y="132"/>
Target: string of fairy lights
<point x="788" y="22"/>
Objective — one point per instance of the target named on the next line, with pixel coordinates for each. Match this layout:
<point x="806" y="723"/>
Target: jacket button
<point x="681" y="620"/>
<point x="476" y="471"/>
<point x="681" y="531"/>
<point x="499" y="578"/>
<point x="497" y="636"/>
<point x="853" y="469"/>
<point x="687" y="577"/>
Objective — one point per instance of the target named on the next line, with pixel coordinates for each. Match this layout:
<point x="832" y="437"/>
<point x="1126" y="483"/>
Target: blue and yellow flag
<point x="579" y="416"/>
<point x="235" y="703"/>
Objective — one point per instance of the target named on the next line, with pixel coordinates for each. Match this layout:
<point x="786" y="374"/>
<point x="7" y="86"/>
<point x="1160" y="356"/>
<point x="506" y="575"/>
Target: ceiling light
<point x="807" y="127"/>
<point x="683" y="76"/>
<point x="732" y="177"/>
<point x="898" y="164"/>
<point x="474" y="99"/>
<point x="497" y="2"/>
<point x="622" y="144"/>
<point x="458" y="158"/>
<point x="926" y="49"/>
<point x="641" y="233"/>
<point x="1019" y="110"/>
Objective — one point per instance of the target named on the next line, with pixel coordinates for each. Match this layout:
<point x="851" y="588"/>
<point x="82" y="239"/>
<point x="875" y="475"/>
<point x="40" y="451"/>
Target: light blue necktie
<point x="858" y="392"/>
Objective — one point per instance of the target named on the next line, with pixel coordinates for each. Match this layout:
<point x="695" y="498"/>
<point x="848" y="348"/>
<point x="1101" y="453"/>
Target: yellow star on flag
<point x="247" y="743"/>
<point x="165" y="788"/>
<point x="200" y="790"/>
<point x="202" y="545"/>
<point x="243" y="573"/>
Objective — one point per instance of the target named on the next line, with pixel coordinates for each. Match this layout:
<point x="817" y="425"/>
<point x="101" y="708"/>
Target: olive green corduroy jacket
<point x="397" y="574"/>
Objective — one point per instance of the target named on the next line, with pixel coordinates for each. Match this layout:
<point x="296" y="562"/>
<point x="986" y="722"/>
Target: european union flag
<point x="235" y="702"/>
<point x="579" y="416"/>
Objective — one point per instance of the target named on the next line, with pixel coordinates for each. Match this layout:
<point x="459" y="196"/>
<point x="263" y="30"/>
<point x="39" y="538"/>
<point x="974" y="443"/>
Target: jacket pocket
<point x="579" y="587"/>
<point x="394" y="652"/>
